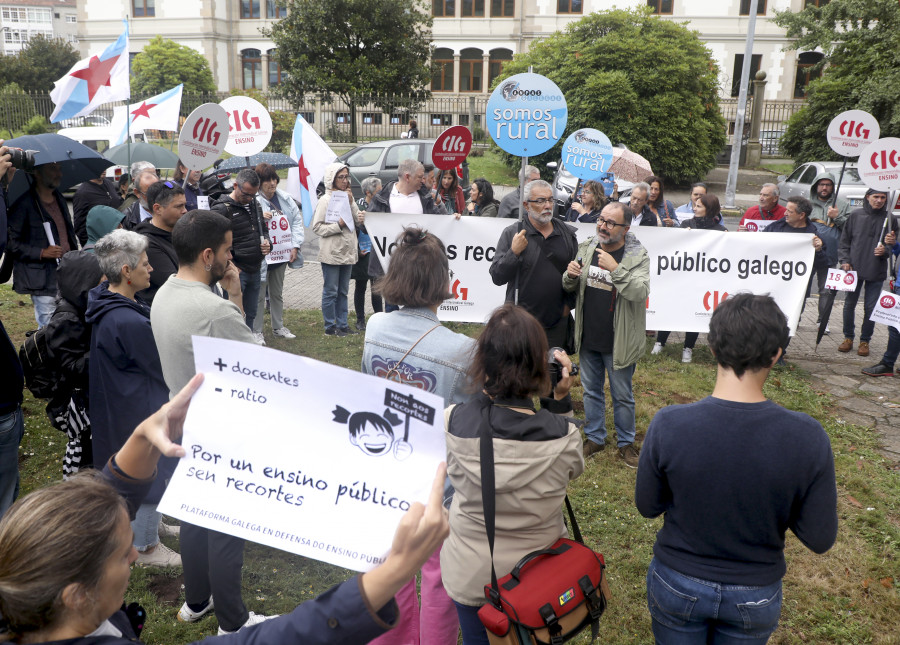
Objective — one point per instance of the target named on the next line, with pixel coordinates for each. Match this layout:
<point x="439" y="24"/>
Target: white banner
<point x="691" y="271"/>
<point x="280" y="237"/>
<point x="303" y="456"/>
<point x="839" y="280"/>
<point x="887" y="310"/>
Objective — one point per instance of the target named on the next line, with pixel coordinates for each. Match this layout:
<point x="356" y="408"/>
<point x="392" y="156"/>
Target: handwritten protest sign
<point x="339" y="209"/>
<point x="841" y="280"/>
<point x="691" y="271"/>
<point x="303" y="456"/>
<point x="887" y="310"/>
<point x="280" y="237"/>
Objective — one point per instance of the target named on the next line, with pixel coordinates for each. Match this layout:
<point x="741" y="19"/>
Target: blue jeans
<point x="44" y="306"/>
<point x="250" y="288"/>
<point x="893" y="346"/>
<point x="334" y="294"/>
<point x="146" y="527"/>
<point x="473" y="632"/>
<point x="12" y="429"/>
<point x="688" y="610"/>
<point x="873" y="290"/>
<point x="594" y="368"/>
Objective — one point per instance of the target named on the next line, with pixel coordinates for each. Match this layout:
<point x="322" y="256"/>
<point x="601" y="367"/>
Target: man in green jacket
<point x="611" y="274"/>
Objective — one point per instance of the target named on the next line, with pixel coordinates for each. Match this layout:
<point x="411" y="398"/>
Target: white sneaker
<point x="161" y="556"/>
<point x="188" y="615"/>
<point x="166" y="530"/>
<point x="687" y="354"/>
<point x="252" y="619"/>
<point x="657" y="348"/>
<point x="283" y="332"/>
<point x="827" y="330"/>
<point x="258" y="338"/>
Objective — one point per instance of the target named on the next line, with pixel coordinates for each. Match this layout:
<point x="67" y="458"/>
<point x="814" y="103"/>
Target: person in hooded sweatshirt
<point x="101" y="220"/>
<point x="68" y="341"/>
<point x="126" y="380"/>
<point x="868" y="235"/>
<point x="167" y="202"/>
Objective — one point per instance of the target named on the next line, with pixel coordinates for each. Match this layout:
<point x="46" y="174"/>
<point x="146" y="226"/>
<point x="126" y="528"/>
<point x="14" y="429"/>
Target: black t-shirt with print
<point x="599" y="306"/>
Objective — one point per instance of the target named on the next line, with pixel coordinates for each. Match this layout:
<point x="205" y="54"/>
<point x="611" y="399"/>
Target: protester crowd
<point x="122" y="310"/>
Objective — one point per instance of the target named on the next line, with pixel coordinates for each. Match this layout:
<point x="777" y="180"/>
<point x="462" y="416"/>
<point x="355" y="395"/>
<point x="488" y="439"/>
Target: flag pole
<point x="128" y="101"/>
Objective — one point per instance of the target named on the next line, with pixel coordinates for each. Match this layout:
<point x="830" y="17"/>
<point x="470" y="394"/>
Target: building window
<point x="568" y="6"/>
<point x="249" y="8"/>
<point x="815" y="3"/>
<point x="755" y="62"/>
<point x="251" y="64"/>
<point x="273" y="10"/>
<point x="464" y="120"/>
<point x="372" y="118"/>
<point x="71" y="19"/>
<point x="471" y="69"/>
<point x="441" y="119"/>
<point x="473" y="8"/>
<point x="309" y="116"/>
<point x="442" y="70"/>
<point x="806" y="62"/>
<point x="760" y="7"/>
<point x="342" y="117"/>
<point x="661" y="6"/>
<point x="444" y="8"/>
<point x="274" y="68"/>
<point x="398" y="118"/>
<point x="503" y="8"/>
<point x="143" y="8"/>
<point x="499" y="58"/>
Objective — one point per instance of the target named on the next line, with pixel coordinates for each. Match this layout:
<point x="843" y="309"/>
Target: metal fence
<point x="376" y="117"/>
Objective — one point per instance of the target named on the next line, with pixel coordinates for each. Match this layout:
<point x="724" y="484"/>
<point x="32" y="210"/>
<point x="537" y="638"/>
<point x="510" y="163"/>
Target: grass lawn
<point x="491" y="167"/>
<point x="779" y="168"/>
<point x="849" y="595"/>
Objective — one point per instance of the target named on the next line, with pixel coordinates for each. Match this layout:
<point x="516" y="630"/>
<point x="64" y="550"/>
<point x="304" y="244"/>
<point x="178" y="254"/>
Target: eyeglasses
<point x="244" y="192"/>
<point x="342" y="177"/>
<point x="607" y="222"/>
<point x="540" y="201"/>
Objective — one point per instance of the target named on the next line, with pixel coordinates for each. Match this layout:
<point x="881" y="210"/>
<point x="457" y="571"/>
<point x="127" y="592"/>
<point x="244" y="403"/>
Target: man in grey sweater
<point x="187" y="305"/>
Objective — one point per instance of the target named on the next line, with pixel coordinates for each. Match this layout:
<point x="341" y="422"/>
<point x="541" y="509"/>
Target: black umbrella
<point x="825" y="315"/>
<point x="274" y="159"/>
<point x="78" y="162"/>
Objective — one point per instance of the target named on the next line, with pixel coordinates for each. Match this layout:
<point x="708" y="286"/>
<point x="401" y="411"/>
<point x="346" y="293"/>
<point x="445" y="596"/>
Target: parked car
<point x="381" y="158"/>
<point x="800" y="181"/>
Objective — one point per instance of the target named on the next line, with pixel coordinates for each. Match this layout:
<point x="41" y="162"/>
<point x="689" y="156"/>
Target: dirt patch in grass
<point x="166" y="588"/>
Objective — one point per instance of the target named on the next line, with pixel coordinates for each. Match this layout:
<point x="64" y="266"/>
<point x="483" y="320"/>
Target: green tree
<point x="351" y="48"/>
<point x="861" y="43"/>
<point x="43" y="61"/>
<point x="645" y="82"/>
<point x="163" y="64"/>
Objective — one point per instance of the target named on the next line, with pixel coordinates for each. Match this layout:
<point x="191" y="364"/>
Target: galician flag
<point x="92" y="82"/>
<point x="312" y="155"/>
<point x="157" y="113"/>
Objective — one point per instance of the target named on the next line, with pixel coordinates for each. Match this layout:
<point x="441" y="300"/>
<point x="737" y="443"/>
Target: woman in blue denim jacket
<point x="411" y="346"/>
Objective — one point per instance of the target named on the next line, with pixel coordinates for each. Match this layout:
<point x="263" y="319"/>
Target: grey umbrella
<point x="140" y="151"/>
<point x="274" y="159"/>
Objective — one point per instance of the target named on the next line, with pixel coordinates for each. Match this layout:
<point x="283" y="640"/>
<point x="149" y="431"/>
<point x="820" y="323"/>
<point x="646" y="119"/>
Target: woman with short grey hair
<point x="126" y="381"/>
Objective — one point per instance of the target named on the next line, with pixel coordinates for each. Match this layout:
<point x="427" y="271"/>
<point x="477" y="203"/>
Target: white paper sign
<point x="280" y="237"/>
<point x="303" y="456"/>
<point x="887" y="310"/>
<point x="339" y="209"/>
<point x="48" y="231"/>
<point x="758" y="224"/>
<point x="203" y="202"/>
<point x="691" y="272"/>
<point x="841" y="280"/>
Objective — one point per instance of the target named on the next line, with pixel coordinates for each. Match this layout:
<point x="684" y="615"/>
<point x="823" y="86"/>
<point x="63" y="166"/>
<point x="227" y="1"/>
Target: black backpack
<point x="38" y="365"/>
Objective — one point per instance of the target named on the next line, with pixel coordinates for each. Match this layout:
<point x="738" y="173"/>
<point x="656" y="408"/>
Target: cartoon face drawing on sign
<point x="373" y="433"/>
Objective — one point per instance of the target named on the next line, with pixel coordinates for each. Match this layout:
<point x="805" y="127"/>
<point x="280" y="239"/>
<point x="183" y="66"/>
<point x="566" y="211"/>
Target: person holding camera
<point x="33" y="253"/>
<point x="611" y="276"/>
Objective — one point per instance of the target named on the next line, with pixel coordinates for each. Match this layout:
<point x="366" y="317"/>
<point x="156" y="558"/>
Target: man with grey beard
<point x="531" y="256"/>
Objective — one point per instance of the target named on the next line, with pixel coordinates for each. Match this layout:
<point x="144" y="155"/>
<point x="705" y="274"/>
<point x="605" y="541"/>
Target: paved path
<point x="860" y="399"/>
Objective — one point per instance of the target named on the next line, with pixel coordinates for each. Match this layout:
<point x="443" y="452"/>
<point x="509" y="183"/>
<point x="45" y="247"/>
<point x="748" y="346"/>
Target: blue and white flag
<point x="312" y="155"/>
<point x="157" y="113"/>
<point x="92" y="82"/>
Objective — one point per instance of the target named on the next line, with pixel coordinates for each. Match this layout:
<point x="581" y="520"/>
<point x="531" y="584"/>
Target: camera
<point x="22" y="159"/>
<point x="555" y="368"/>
